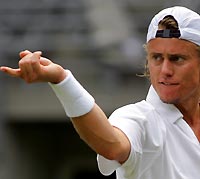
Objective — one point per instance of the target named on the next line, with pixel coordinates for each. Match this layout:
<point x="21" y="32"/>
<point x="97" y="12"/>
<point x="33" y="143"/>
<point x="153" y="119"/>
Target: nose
<point x="167" y="67"/>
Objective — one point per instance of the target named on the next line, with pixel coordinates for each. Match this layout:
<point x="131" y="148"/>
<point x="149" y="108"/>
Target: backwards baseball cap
<point x="188" y="24"/>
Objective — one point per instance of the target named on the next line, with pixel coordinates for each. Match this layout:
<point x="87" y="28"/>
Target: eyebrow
<point x="180" y="55"/>
<point x="171" y="54"/>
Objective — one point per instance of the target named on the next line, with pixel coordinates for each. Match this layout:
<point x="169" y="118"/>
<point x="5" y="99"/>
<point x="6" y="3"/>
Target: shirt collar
<point x="167" y="110"/>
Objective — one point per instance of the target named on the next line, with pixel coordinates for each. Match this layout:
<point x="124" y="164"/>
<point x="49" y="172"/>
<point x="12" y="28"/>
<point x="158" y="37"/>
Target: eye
<point x="176" y="58"/>
<point x="156" y="57"/>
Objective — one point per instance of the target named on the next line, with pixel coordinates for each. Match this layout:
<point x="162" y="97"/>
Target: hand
<point x="34" y="68"/>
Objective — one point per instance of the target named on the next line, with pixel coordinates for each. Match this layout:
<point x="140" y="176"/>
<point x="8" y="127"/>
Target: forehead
<point x="171" y="45"/>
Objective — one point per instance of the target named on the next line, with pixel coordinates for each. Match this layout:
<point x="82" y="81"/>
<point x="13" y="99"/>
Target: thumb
<point x="24" y="53"/>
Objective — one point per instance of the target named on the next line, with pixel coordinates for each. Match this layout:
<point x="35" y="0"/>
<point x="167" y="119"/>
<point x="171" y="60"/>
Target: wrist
<point x="74" y="98"/>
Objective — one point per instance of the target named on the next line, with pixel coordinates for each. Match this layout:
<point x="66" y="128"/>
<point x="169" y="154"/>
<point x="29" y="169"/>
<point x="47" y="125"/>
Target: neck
<point x="191" y="112"/>
<point x="191" y="115"/>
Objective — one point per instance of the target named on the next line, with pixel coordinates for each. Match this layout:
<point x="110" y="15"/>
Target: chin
<point x="169" y="100"/>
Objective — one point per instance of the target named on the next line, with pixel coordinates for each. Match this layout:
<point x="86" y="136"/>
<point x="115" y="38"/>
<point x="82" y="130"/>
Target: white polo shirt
<point x="163" y="146"/>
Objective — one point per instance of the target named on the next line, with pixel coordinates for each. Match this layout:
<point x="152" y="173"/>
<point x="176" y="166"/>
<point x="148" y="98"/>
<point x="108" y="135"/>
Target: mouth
<point x="168" y="83"/>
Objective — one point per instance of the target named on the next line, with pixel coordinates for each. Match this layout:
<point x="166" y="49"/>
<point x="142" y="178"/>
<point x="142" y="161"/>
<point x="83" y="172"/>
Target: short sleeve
<point x="107" y="167"/>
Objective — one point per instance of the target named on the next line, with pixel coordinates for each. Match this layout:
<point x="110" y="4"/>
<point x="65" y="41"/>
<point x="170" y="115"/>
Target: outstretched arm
<point x="93" y="127"/>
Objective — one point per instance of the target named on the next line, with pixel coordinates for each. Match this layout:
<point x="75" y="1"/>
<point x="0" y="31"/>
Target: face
<point x="174" y="67"/>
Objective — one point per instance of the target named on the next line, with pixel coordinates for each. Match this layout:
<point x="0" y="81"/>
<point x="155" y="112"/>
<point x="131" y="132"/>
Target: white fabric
<point x="163" y="146"/>
<point x="188" y="21"/>
<point x="74" y="98"/>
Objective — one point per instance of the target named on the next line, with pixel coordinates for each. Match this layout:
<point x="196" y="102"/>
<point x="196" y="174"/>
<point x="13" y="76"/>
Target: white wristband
<point x="74" y="98"/>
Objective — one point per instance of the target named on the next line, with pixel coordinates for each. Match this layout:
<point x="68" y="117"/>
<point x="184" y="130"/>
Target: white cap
<point x="188" y="23"/>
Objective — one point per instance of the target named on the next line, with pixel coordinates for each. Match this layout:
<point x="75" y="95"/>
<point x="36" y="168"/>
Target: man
<point x="157" y="138"/>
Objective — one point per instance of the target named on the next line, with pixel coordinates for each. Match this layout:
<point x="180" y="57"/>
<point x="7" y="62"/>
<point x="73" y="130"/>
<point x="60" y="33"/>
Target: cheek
<point x="153" y="71"/>
<point x="192" y="77"/>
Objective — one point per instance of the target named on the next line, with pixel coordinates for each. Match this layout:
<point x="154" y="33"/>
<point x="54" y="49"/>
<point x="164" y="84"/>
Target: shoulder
<point x="139" y="110"/>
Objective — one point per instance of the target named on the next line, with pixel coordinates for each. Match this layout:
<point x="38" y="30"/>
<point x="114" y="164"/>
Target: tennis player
<point x="156" y="138"/>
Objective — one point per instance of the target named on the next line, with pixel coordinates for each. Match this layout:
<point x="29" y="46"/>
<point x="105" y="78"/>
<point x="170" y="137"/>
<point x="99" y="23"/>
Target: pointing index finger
<point x="11" y="71"/>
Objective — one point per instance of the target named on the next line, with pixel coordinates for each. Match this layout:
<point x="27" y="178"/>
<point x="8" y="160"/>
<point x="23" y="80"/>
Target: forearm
<point x="106" y="140"/>
<point x="90" y="121"/>
<point x="95" y="129"/>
